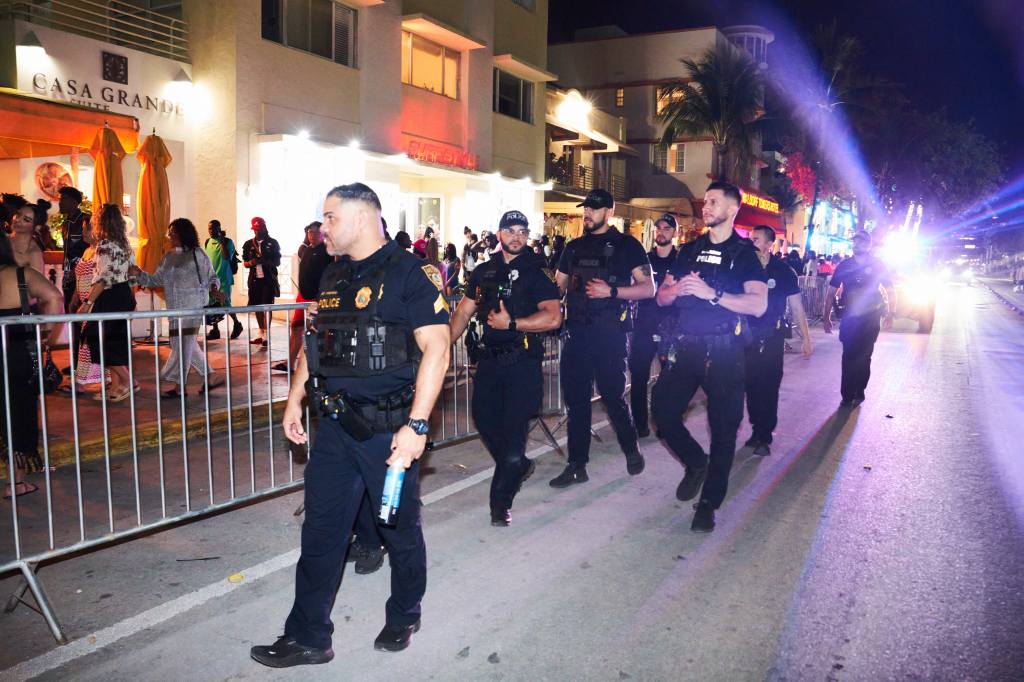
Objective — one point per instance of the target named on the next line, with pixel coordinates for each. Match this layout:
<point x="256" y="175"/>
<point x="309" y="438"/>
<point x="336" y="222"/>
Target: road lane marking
<point x="161" y="613"/>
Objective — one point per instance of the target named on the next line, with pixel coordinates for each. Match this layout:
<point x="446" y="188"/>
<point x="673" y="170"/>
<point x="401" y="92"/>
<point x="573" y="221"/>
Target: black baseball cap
<point x="511" y="218"/>
<point x="598" y="198"/>
<point x="668" y="218"/>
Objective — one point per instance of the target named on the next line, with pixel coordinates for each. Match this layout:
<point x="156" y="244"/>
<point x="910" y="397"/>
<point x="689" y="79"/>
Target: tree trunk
<point x="814" y="208"/>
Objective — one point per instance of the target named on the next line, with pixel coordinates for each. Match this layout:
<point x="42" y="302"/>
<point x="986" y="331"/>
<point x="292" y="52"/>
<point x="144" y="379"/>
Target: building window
<point x="620" y="97"/>
<point x="320" y="27"/>
<point x="430" y="66"/>
<point x="659" y="158"/>
<point x="513" y="96"/>
<point x="664" y="96"/>
<point x="678" y="158"/>
<point x="527" y="4"/>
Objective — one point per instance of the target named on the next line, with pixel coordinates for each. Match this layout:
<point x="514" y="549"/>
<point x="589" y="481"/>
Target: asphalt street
<point x="884" y="542"/>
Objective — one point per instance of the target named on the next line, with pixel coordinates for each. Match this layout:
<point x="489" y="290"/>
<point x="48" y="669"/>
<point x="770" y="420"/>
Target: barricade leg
<point x="28" y="572"/>
<point x="539" y="421"/>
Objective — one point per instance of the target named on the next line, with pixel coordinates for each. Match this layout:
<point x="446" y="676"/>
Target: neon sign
<point x="760" y="202"/>
<point x="445" y="156"/>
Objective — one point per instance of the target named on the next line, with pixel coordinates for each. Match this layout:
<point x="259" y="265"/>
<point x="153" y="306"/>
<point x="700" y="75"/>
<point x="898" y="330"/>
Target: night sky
<point x="964" y="55"/>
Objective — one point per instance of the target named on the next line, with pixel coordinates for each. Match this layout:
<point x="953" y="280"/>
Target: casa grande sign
<point x="760" y="202"/>
<point x="84" y="94"/>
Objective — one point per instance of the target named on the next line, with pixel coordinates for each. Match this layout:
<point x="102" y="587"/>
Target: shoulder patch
<point x="549" y="273"/>
<point x="434" y="276"/>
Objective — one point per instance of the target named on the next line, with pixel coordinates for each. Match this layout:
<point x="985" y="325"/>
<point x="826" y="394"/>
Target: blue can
<point x="388" y="514"/>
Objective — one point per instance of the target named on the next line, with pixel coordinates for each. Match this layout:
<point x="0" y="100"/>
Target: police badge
<point x="363" y="297"/>
<point x="434" y="276"/>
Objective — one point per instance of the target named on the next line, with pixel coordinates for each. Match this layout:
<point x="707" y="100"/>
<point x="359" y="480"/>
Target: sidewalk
<point x="1003" y="289"/>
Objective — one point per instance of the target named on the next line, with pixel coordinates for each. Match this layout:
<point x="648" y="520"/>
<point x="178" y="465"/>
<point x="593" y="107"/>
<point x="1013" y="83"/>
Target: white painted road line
<point x="159" y="614"/>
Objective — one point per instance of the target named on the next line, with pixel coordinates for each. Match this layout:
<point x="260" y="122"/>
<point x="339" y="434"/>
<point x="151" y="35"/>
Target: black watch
<point x="512" y="324"/>
<point x="419" y="426"/>
<point x="614" y="293"/>
<point x="718" y="297"/>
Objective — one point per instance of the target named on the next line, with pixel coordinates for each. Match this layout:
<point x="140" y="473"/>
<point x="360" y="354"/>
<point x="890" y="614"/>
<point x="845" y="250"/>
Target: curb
<point x="1007" y="302"/>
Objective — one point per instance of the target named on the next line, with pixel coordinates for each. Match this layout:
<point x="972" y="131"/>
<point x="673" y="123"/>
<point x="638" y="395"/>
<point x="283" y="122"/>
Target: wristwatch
<point x="718" y="297"/>
<point x="419" y="426"/>
<point x="512" y="324"/>
<point x="614" y="293"/>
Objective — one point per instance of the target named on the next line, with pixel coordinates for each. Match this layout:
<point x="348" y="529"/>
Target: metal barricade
<point x="119" y="466"/>
<point x="813" y="291"/>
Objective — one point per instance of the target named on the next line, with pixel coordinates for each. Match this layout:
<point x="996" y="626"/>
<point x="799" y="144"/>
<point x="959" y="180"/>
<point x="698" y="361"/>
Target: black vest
<point x="592" y="259"/>
<point x="497" y="285"/>
<point x="351" y="339"/>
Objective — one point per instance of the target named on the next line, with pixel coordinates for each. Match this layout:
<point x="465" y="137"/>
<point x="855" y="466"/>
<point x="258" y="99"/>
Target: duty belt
<point x="362" y="419"/>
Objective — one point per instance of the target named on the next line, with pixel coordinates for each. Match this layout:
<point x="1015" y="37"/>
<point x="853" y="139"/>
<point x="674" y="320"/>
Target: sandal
<point x="27" y="490"/>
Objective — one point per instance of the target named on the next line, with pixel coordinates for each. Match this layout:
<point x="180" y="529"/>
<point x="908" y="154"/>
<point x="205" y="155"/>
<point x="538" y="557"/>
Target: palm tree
<point x="722" y="99"/>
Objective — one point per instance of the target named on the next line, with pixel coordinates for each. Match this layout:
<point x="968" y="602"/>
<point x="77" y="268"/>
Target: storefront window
<point x="430" y="66"/>
<point x="320" y="27"/>
<point x="513" y="96"/>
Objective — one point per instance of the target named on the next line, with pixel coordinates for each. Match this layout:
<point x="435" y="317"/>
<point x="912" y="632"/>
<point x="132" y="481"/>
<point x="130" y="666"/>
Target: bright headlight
<point x="920" y="289"/>
<point x="967" y="274"/>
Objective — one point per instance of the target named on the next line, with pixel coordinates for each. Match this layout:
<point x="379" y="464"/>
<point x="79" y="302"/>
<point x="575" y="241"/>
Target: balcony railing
<point x="116" y="23"/>
<point x="583" y="179"/>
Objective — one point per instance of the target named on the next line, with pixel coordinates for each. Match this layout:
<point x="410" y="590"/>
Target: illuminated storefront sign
<point x="445" y="156"/>
<point x="101" y="97"/>
<point x="760" y="202"/>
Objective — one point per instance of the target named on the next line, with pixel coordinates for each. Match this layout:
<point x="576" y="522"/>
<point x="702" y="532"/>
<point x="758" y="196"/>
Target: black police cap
<point x="668" y="218"/>
<point x="597" y="198"/>
<point x="511" y="218"/>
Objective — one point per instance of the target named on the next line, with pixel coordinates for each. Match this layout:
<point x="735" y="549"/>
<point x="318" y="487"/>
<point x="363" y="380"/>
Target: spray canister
<point x="388" y="514"/>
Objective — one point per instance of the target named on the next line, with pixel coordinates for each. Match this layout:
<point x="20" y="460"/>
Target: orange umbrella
<point x="108" y="182"/>
<point x="154" y="202"/>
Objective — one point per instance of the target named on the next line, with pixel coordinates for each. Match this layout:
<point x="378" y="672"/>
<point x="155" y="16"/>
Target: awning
<point x="750" y="217"/>
<point x="35" y="126"/>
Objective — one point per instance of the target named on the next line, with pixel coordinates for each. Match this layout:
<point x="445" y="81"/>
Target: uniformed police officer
<point x="649" y="315"/>
<point x="375" y="366"/>
<point x="515" y="300"/>
<point x="855" y="293"/>
<point x="715" y="283"/>
<point x="600" y="273"/>
<point x="768" y="347"/>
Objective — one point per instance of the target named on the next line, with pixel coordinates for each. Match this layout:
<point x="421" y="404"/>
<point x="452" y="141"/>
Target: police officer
<point x="768" y="344"/>
<point x="643" y="346"/>
<point x="375" y="366"/>
<point x="855" y="293"/>
<point x="600" y="273"/>
<point x="715" y="283"/>
<point x="514" y="300"/>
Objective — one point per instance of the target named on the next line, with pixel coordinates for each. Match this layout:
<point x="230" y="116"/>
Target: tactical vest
<point x="594" y="262"/>
<point x="351" y="339"/>
<point x="737" y="324"/>
<point x="496" y="285"/>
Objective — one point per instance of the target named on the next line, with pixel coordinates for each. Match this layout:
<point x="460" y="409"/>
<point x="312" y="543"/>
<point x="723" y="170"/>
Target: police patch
<point x="363" y="297"/>
<point x="514" y="275"/>
<point x="771" y="283"/>
<point x="440" y="304"/>
<point x="434" y="276"/>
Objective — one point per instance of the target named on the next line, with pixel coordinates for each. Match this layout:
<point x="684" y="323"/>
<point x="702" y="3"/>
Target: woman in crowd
<point x="111" y="292"/>
<point x="452" y="266"/>
<point x="23" y="381"/>
<point x="188" y="279"/>
<point x="23" y="238"/>
<point x="86" y="371"/>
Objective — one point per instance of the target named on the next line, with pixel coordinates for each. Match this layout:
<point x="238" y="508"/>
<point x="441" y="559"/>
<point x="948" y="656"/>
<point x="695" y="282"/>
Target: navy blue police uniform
<point x="860" y="301"/>
<point x="644" y="344"/>
<point x="366" y="358"/>
<point x="509" y="386"/>
<point x="766" y="352"/>
<point x="596" y="345"/>
<point x="702" y="346"/>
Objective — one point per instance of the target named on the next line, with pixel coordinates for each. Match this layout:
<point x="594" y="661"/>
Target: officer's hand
<point x="292" y="423"/>
<point x="826" y="323"/>
<point x="500" y="319"/>
<point x="598" y="288"/>
<point x="887" y="322"/>
<point x="406" y="447"/>
<point x="806" y="347"/>
<point x="693" y="285"/>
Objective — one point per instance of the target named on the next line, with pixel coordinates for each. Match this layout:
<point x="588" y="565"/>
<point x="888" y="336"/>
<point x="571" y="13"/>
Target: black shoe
<point x="280" y="367"/>
<point x="643" y="431"/>
<point x="531" y="466"/>
<point x="236" y="331"/>
<point x="368" y="560"/>
<point x="752" y="442"/>
<point x="703" y="518"/>
<point x="856" y="401"/>
<point x="691" y="483"/>
<point x="572" y="474"/>
<point x="395" y="637"/>
<point x="845" y="403"/>
<point x="66" y="371"/>
<point x="634" y="463"/>
<point x="763" y="450"/>
<point x="213" y="334"/>
<point x="286" y="652"/>
<point x="501" y="518"/>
